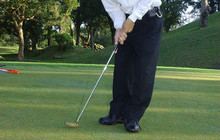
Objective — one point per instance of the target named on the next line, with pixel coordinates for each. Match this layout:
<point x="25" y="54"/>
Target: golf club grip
<point x="96" y="84"/>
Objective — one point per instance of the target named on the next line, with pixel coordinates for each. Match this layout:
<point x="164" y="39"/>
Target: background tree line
<point x="64" y="23"/>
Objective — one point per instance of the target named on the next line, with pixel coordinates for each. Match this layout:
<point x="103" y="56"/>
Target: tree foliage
<point x="214" y="4"/>
<point x="33" y="21"/>
<point x="64" y="41"/>
<point x="20" y="11"/>
<point x="91" y="14"/>
<point x="173" y="10"/>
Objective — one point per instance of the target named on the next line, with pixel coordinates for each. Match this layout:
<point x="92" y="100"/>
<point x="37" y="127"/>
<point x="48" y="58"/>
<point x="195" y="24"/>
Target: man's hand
<point x="128" y="26"/>
<point x="117" y="35"/>
<point x="121" y="33"/>
<point x="120" y="36"/>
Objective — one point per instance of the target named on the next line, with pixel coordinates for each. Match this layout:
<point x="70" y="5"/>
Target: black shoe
<point x="111" y="119"/>
<point x="132" y="126"/>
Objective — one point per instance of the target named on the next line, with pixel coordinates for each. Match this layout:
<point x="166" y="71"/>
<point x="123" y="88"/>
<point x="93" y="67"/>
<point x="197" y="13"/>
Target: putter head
<point x="70" y="124"/>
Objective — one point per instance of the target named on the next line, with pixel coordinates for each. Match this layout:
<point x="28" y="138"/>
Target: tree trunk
<point x="34" y="44"/>
<point x="88" y="34"/>
<point x="77" y="33"/>
<point x="113" y="34"/>
<point x="21" y="41"/>
<point x="212" y="5"/>
<point x="49" y="30"/>
<point x="86" y="40"/>
<point x="204" y="13"/>
<point x="218" y="5"/>
<point x="112" y="30"/>
<point x="91" y="37"/>
<point x="78" y="23"/>
<point x="72" y="33"/>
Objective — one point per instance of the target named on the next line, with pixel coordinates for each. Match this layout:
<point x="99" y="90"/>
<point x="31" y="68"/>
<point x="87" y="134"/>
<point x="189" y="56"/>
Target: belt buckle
<point x="160" y="14"/>
<point x="155" y="11"/>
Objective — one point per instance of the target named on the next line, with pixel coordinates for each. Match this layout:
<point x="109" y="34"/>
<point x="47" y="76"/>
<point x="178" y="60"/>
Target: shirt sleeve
<point x="114" y="10"/>
<point x="142" y="7"/>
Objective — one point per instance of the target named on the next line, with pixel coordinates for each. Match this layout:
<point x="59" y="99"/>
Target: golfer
<point x="138" y="25"/>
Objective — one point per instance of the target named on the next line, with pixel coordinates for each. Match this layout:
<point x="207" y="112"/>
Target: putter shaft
<point x="96" y="84"/>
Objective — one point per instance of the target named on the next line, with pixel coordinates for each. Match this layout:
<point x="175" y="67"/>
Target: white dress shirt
<point x="135" y="8"/>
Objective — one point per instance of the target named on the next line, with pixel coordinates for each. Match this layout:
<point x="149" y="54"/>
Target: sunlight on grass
<point x="53" y="91"/>
<point x="66" y="73"/>
<point x="102" y="108"/>
<point x="8" y="50"/>
<point x="190" y="77"/>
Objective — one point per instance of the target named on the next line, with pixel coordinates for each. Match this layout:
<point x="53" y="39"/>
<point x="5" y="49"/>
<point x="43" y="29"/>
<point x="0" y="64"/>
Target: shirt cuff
<point x="133" y="17"/>
<point x="118" y="25"/>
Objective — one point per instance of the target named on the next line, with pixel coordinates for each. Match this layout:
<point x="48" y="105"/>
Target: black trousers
<point x="135" y="67"/>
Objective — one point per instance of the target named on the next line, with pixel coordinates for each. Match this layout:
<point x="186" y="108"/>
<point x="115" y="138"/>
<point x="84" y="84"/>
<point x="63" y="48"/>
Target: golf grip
<point x="96" y="83"/>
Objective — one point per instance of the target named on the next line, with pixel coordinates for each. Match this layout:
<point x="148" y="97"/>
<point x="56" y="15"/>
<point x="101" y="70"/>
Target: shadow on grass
<point x="9" y="57"/>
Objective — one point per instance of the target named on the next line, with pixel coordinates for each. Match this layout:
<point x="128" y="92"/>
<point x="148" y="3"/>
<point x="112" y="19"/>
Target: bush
<point x="8" y="40"/>
<point x="64" y="41"/>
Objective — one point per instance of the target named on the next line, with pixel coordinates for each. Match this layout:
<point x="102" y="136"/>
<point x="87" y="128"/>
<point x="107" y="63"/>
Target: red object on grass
<point x="10" y="71"/>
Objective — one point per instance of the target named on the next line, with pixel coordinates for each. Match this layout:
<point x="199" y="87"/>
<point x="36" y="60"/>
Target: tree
<point x="6" y="26"/>
<point x="173" y="10"/>
<point x="204" y="13"/>
<point x="218" y="3"/>
<point x="77" y="22"/>
<point x="92" y="14"/>
<point x="20" y="11"/>
<point x="214" y="4"/>
<point x="57" y="15"/>
<point x="33" y="33"/>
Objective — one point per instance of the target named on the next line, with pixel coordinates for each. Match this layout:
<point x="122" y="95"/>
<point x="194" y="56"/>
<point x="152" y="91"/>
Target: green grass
<point x="36" y="103"/>
<point x="8" y="52"/>
<point x="76" y="55"/>
<point x="190" y="46"/>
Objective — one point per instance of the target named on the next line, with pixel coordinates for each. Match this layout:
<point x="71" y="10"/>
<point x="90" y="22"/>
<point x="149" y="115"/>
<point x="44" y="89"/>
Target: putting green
<point x="36" y="103"/>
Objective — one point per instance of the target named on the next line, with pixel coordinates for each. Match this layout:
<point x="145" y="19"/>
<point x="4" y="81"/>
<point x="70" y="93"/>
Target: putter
<point x="2" y="65"/>
<point x="71" y="124"/>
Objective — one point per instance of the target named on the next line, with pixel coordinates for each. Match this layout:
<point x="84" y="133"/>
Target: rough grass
<point x="190" y="46"/>
<point x="36" y="103"/>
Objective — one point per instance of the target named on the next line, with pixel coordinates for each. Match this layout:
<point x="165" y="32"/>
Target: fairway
<point x="36" y="103"/>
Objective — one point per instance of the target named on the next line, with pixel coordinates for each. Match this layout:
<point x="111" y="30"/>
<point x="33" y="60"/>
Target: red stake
<point x="10" y="71"/>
